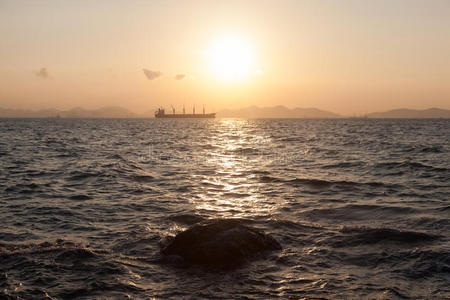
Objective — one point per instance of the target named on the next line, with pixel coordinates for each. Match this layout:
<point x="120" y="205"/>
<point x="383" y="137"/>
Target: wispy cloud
<point x="151" y="75"/>
<point x="42" y="73"/>
<point x="180" y="76"/>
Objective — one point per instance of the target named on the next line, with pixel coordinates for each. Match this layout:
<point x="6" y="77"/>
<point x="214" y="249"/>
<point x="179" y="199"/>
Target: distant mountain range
<point x="248" y="112"/>
<point x="284" y="112"/>
<point x="279" y="111"/>
<point x="77" y="112"/>
<point x="405" y="113"/>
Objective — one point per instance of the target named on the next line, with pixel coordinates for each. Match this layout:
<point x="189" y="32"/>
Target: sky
<point x="346" y="56"/>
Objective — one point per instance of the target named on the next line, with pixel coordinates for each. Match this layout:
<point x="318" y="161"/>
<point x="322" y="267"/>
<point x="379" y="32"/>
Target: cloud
<point x="180" y="76"/>
<point x="151" y="74"/>
<point x="42" y="73"/>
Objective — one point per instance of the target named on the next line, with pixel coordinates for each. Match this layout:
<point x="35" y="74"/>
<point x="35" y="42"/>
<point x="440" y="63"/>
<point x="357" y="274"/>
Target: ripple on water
<point x="359" y="206"/>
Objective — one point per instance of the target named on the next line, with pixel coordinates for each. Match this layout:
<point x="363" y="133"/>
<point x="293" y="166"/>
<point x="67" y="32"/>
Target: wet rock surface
<point x="220" y="242"/>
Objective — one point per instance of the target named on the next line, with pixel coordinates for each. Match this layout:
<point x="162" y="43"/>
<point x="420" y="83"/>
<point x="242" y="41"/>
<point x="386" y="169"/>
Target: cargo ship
<point x="160" y="113"/>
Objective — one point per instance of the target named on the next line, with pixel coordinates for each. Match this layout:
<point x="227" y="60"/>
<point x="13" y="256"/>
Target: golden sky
<point x="349" y="57"/>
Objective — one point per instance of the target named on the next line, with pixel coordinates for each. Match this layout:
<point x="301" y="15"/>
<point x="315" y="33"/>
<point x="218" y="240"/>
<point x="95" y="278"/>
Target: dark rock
<point x="220" y="242"/>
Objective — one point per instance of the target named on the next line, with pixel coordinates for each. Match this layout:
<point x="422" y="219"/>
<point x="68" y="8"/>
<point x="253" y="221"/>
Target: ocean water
<point x="361" y="207"/>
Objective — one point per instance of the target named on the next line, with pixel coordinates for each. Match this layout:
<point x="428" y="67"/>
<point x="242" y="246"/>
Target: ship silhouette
<point x="160" y="113"/>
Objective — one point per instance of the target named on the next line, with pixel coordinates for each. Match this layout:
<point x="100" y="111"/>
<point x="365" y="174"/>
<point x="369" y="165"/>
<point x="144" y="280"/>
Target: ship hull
<point x="186" y="116"/>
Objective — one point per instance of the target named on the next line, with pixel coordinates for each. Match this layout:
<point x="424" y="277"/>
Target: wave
<point x="324" y="184"/>
<point x="409" y="165"/>
<point x="374" y="235"/>
<point x="142" y="178"/>
<point x="426" y="263"/>
<point x="292" y="139"/>
<point x="7" y="250"/>
<point x="343" y="165"/>
<point x="121" y="163"/>
<point x="80" y="175"/>
<point x="269" y="179"/>
<point x="243" y="151"/>
<point x="357" y="212"/>
<point x="186" y="219"/>
<point x="38" y="173"/>
<point x="80" y="197"/>
<point x="413" y="263"/>
<point x="442" y="224"/>
<point x="54" y="211"/>
<point x="235" y="195"/>
<point x="78" y="270"/>
<point x="426" y="149"/>
<point x="76" y="254"/>
<point x="9" y="236"/>
<point x="291" y="225"/>
<point x="212" y="185"/>
<point x="209" y="147"/>
<point x="68" y="154"/>
<point x="444" y="208"/>
<point x="184" y="188"/>
<point x="24" y="188"/>
<point x="359" y="236"/>
<point x="98" y="287"/>
<point x="259" y="172"/>
<point x="317" y="183"/>
<point x="116" y="157"/>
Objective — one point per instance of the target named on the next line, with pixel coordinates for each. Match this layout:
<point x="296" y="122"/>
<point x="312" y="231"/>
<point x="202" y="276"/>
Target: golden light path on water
<point x="235" y="156"/>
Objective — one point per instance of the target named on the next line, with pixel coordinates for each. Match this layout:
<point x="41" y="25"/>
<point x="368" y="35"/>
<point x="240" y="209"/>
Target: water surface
<point x="361" y="207"/>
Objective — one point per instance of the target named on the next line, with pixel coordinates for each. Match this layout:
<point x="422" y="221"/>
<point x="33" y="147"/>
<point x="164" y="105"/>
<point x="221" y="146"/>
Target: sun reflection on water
<point x="230" y="191"/>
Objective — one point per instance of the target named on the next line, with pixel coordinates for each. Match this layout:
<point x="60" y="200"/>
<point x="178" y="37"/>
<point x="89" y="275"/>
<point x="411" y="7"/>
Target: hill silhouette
<point x="77" y="112"/>
<point x="412" y="113"/>
<point x="276" y="112"/>
<point x="251" y="112"/>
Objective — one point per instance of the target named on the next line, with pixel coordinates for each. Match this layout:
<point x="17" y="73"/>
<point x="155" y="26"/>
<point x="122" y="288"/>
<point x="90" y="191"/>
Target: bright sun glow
<point x="230" y="58"/>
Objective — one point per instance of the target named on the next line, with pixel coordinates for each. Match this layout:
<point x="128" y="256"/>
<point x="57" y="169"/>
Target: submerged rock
<point x="220" y="242"/>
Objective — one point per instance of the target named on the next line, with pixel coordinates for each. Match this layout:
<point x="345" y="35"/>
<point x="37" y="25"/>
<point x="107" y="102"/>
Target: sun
<point x="230" y="58"/>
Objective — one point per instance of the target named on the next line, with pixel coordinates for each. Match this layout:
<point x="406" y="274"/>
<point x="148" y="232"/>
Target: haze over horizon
<point x="347" y="57"/>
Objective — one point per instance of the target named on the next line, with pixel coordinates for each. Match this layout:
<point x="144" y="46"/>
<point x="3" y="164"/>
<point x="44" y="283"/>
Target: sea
<point x="361" y="207"/>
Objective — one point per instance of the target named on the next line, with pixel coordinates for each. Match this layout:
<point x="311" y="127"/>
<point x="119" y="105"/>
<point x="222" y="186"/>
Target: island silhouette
<point x="251" y="112"/>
